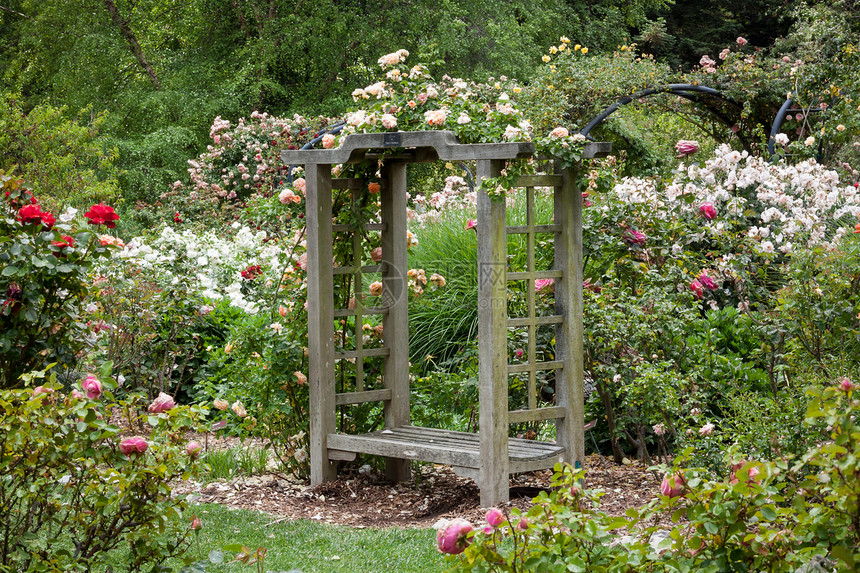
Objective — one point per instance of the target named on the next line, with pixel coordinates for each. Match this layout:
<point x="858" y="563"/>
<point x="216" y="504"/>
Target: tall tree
<point x="133" y="44"/>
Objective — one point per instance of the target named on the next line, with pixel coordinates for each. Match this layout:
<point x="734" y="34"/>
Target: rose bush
<point x="44" y="281"/>
<point x="75" y="491"/>
<point x="776" y="515"/>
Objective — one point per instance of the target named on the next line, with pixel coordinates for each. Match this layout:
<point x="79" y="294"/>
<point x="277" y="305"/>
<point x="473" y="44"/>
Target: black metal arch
<point x="692" y="92"/>
<point x="784" y="110"/>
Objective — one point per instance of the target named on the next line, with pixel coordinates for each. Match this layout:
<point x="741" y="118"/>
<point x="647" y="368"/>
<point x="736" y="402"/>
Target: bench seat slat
<point x="444" y="447"/>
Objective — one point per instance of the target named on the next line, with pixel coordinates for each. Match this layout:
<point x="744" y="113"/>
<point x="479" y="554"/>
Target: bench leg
<point x="397" y="470"/>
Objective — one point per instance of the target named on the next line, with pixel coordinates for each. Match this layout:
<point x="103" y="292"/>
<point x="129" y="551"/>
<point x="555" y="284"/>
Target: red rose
<point x="66" y="242"/>
<point x="177" y="218"/>
<point x="252" y="272"/>
<point x="102" y="214"/>
<point x="48" y="221"/>
<point x="30" y="214"/>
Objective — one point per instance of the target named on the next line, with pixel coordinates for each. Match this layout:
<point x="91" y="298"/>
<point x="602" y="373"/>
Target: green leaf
<point x="843" y="554"/>
<point x="106" y="369"/>
<point x="10" y="271"/>
<point x="711" y="527"/>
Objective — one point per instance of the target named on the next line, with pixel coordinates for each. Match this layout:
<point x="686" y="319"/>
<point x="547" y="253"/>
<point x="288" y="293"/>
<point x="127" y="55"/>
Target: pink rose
<point x="193" y="449"/>
<point x="375" y="288"/>
<point x="541" y="284"/>
<point x="495" y="517"/>
<point x="328" y="141"/>
<point x="472" y="224"/>
<point x="196" y="524"/>
<point x="633" y="237"/>
<point x="135" y="445"/>
<point x="559" y="132"/>
<point x="752" y="472"/>
<point x="376" y="254"/>
<point x="388" y="121"/>
<point x="287" y="196"/>
<point x="672" y="486"/>
<point x="300" y="185"/>
<point x="707" y="282"/>
<point x="696" y="287"/>
<point x="76" y="394"/>
<point x="686" y="147"/>
<point x="708" y="211"/>
<point x="453" y="538"/>
<point x="523" y="524"/>
<point x="161" y="404"/>
<point x="92" y="387"/>
<point x="741" y="41"/>
<point x="42" y="390"/>
<point x="844" y="384"/>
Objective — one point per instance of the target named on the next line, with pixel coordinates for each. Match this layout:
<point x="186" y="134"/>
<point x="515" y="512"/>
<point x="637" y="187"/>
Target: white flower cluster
<point x="784" y="203"/>
<point x="209" y="263"/>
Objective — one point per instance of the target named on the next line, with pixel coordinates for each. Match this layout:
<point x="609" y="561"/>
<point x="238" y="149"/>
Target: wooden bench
<point x="462" y="450"/>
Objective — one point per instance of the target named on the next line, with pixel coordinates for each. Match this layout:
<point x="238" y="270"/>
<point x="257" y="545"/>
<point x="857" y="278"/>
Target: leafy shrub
<point x="43" y="283"/>
<point x="66" y="162"/>
<point x="73" y="489"/>
<point x="764" y="515"/>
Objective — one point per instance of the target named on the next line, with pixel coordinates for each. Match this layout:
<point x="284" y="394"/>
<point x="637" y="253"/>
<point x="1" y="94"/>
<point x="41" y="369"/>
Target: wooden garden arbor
<point x="490" y="455"/>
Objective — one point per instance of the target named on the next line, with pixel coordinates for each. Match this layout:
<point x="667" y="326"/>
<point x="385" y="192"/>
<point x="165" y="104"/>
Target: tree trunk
<point x="606" y="398"/>
<point x="133" y="44"/>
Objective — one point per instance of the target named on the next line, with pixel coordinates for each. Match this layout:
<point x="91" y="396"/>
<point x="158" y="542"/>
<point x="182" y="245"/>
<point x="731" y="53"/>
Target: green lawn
<point x="308" y="546"/>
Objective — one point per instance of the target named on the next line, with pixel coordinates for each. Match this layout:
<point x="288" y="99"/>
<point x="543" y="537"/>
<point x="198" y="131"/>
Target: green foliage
<point x="260" y="367"/>
<point x="64" y="160"/>
<point x="155" y="332"/>
<point x="820" y="307"/>
<point x="233" y="462"/>
<point x="764" y="515"/>
<point x="70" y="498"/>
<point x="43" y="284"/>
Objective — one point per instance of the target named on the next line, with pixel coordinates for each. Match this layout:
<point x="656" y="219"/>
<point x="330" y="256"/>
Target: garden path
<point x="366" y="500"/>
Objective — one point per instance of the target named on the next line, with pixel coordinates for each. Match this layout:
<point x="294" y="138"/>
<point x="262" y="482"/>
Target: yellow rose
<point x="585" y="50"/>
<point x="576" y="47"/>
<point x="545" y="58"/>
